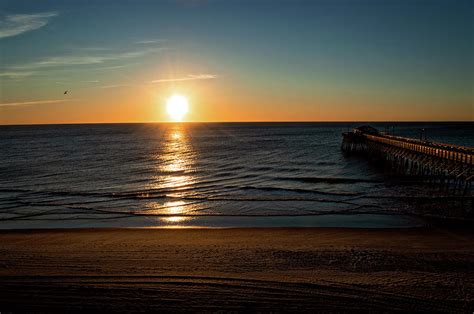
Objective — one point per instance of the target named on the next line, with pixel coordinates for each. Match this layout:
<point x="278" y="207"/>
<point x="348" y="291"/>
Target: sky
<point x="315" y="60"/>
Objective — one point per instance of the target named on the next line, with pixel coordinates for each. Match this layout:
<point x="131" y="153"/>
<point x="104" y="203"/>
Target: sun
<point x="177" y="106"/>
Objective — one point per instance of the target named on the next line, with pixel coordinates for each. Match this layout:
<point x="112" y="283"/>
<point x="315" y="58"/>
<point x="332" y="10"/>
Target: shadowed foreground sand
<point x="237" y="269"/>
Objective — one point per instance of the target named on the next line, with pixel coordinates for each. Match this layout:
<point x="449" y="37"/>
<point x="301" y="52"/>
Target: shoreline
<point x="93" y="229"/>
<point x="331" y="220"/>
<point x="265" y="269"/>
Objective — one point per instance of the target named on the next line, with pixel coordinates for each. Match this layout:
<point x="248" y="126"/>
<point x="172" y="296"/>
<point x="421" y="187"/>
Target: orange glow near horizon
<point x="217" y="102"/>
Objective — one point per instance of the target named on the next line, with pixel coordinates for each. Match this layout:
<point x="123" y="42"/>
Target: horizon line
<point x="203" y="122"/>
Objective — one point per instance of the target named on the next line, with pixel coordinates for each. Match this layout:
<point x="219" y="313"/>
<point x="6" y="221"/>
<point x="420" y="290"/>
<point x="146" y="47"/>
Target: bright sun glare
<point x="177" y="107"/>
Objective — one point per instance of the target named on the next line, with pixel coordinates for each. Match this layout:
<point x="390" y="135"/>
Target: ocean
<point x="205" y="175"/>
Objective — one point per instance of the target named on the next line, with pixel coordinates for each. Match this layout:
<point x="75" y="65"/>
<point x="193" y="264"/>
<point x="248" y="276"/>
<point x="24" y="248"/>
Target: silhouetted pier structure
<point x="444" y="164"/>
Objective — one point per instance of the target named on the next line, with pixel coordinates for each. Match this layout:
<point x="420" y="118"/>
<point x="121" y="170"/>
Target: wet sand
<point x="278" y="270"/>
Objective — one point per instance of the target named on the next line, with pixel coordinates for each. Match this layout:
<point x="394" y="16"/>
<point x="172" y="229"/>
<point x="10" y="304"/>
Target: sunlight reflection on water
<point x="177" y="160"/>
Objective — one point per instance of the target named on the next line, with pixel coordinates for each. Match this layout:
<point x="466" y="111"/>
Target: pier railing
<point x="444" y="151"/>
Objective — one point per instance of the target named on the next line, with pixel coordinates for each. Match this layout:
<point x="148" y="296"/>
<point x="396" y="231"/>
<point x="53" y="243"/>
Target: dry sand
<point x="278" y="270"/>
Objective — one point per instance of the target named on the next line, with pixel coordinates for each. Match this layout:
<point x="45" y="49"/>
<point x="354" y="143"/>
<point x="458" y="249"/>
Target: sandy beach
<point x="237" y="269"/>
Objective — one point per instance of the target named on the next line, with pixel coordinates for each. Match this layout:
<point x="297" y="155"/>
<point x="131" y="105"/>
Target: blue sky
<point x="388" y="56"/>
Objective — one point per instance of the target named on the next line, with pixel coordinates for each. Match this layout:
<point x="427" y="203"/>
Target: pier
<point x="450" y="166"/>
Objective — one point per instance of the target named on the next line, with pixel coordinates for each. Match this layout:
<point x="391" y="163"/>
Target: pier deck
<point x="446" y="164"/>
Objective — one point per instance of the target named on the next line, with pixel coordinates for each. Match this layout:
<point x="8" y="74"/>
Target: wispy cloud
<point x="92" y="48"/>
<point x="189" y="77"/>
<point x="25" y="70"/>
<point x="70" y="60"/>
<point x="87" y="59"/>
<point x="16" y="24"/>
<point x="115" y="86"/>
<point x="114" y="67"/>
<point x="35" y="102"/>
<point x="91" y="59"/>
<point x="15" y="75"/>
<point x="151" y="41"/>
<point x="70" y="82"/>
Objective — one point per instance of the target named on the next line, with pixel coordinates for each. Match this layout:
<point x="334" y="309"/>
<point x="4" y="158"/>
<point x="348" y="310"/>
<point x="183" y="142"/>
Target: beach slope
<point x="237" y="269"/>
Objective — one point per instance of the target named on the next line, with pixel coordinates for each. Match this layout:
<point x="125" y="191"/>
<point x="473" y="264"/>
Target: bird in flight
<point x="65" y="92"/>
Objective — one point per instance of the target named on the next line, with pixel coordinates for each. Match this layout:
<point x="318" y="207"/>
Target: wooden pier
<point x="448" y="165"/>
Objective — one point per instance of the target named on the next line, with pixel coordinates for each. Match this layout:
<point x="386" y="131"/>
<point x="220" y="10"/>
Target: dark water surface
<point x="209" y="174"/>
